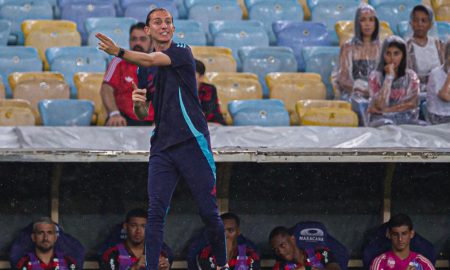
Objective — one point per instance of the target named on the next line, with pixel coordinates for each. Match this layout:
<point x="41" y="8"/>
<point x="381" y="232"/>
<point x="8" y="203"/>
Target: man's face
<point x="139" y="41"/>
<point x="400" y="237"/>
<point x="160" y="26"/>
<point x="135" y="228"/>
<point x="284" y="247"/>
<point x="421" y="24"/>
<point x="44" y="237"/>
<point x="231" y="230"/>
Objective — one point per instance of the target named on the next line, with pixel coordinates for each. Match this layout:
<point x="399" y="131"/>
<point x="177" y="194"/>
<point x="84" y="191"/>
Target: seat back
<point x="394" y="12"/>
<point x="297" y="35"/>
<point x="117" y="28"/>
<point x="189" y="32"/>
<point x="206" y="11"/>
<point x="17" y="59"/>
<point x="269" y="11"/>
<point x="262" y="112"/>
<point x="43" y="34"/>
<point x="346" y="29"/>
<point x="326" y="113"/>
<point x="216" y="59"/>
<point x="376" y="3"/>
<point x="70" y="60"/>
<point x="80" y="11"/>
<point x="16" y="112"/>
<point x="5" y="31"/>
<point x="139" y="10"/>
<point x="234" y="86"/>
<point x="443" y="13"/>
<point x="263" y="60"/>
<point x="323" y="60"/>
<point x="16" y="11"/>
<point x="292" y="87"/>
<point x="88" y="86"/>
<point x="66" y="112"/>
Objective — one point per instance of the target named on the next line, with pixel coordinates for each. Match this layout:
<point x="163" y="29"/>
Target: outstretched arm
<point x="107" y="45"/>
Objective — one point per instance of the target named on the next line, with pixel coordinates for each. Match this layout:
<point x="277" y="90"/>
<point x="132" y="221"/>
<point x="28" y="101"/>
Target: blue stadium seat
<point x="263" y="60"/>
<point x="189" y="32"/>
<point x="140" y="9"/>
<point x="80" y="11"/>
<point x="443" y="29"/>
<point x="118" y="28"/>
<point x="182" y="11"/>
<point x="329" y="12"/>
<point x="394" y="12"/>
<point x="297" y="35"/>
<point x="18" y="59"/>
<point x="206" y="11"/>
<point x="376" y="3"/>
<point x="16" y="11"/>
<point x="66" y="112"/>
<point x="5" y="30"/>
<point x="312" y="3"/>
<point x="322" y="60"/>
<point x="237" y="34"/>
<point x="404" y="29"/>
<point x="70" y="60"/>
<point x="263" y="112"/>
<point x="269" y="11"/>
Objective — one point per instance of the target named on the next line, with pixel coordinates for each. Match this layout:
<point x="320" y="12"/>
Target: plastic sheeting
<point x="237" y="138"/>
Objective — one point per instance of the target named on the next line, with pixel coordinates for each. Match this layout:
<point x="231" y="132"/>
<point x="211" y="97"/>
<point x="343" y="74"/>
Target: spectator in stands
<point x="425" y="52"/>
<point x="207" y="94"/>
<point x="438" y="92"/>
<point x="130" y="253"/>
<point x="45" y="257"/>
<point x="240" y="255"/>
<point x="116" y="88"/>
<point x="400" y="231"/>
<point x="394" y="89"/>
<point x="292" y="257"/>
<point x="358" y="55"/>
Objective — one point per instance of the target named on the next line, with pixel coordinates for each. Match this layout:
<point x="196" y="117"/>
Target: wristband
<point x="390" y="77"/>
<point x="113" y="113"/>
<point x="121" y="53"/>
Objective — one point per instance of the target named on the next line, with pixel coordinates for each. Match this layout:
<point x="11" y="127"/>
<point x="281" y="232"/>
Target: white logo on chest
<point x="128" y="79"/>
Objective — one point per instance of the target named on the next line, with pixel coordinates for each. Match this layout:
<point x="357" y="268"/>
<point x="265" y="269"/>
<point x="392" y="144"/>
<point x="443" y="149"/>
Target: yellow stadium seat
<point x="35" y="86"/>
<point x="345" y="30"/>
<point x="234" y="86"/>
<point x="2" y="89"/>
<point x="215" y="58"/>
<point x="292" y="87"/>
<point x="438" y="3"/>
<point x="88" y="87"/>
<point x="443" y="13"/>
<point x="326" y="113"/>
<point x="43" y="34"/>
<point x="16" y="112"/>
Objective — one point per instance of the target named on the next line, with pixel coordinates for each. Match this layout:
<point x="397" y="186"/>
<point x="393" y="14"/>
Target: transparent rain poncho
<point x="357" y="59"/>
<point x="393" y="100"/>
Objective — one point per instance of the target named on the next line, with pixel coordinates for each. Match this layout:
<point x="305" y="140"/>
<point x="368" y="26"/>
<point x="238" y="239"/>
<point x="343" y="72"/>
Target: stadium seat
<point x="140" y="9"/>
<point x="189" y="32"/>
<point x="43" y="34"/>
<point x="80" y="11"/>
<point x="443" y="13"/>
<point x="206" y="11"/>
<point x="326" y="113"/>
<point x="234" y="86"/>
<point x="443" y="29"/>
<point x="35" y="86"/>
<point x="332" y="11"/>
<point x="236" y="35"/>
<point x="182" y="11"/>
<point x="216" y="59"/>
<point x="346" y="29"/>
<point x="5" y="31"/>
<point x="376" y="3"/>
<point x="70" y="60"/>
<point x="297" y="35"/>
<point x="394" y="12"/>
<point x="17" y="59"/>
<point x="66" y="112"/>
<point x="292" y="87"/>
<point x="16" y="112"/>
<point x="323" y="60"/>
<point x="404" y="29"/>
<point x="263" y="60"/>
<point x="269" y="11"/>
<point x="313" y="3"/>
<point x="118" y="29"/>
<point x="88" y="87"/>
<point x="16" y="11"/>
<point x="263" y="112"/>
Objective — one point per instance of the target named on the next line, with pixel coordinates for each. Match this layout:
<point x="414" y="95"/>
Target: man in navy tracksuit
<point x="180" y="145"/>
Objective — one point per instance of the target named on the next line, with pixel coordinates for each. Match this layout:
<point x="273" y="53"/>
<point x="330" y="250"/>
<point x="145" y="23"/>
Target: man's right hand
<point x="138" y="96"/>
<point x="116" y="121"/>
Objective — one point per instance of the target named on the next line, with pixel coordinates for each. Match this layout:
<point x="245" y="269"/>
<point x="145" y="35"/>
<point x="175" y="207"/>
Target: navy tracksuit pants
<point x="191" y="160"/>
